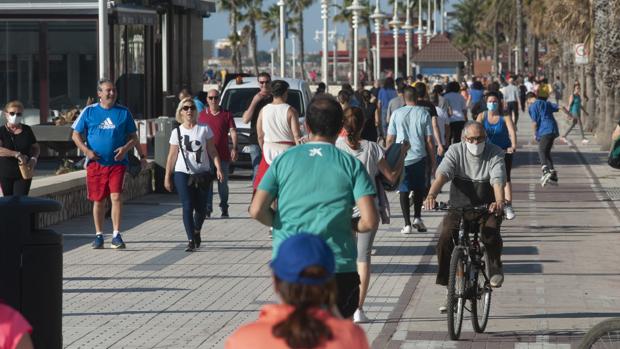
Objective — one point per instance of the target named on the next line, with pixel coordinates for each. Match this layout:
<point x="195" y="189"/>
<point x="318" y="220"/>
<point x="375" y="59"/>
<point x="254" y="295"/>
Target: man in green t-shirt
<point x="317" y="187"/>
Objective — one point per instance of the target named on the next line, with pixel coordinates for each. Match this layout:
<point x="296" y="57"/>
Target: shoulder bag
<point x="200" y="180"/>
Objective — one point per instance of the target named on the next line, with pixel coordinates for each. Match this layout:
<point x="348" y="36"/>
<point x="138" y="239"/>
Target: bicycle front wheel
<point x="481" y="301"/>
<point x="456" y="290"/>
<point x="604" y="335"/>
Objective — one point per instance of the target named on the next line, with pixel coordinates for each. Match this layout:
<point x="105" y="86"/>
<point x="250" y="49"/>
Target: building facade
<point x="49" y="56"/>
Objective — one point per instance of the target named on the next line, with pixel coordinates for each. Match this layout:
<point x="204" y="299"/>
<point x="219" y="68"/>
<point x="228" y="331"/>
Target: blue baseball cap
<point x="299" y="252"/>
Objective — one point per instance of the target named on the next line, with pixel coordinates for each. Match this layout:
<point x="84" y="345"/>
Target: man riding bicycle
<point x="478" y="174"/>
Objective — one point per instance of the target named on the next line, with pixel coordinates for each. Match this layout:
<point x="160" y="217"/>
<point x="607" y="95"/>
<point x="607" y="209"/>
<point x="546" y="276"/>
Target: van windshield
<point x="237" y="100"/>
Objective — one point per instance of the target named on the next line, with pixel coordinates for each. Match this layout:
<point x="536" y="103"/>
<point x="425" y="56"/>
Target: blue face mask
<point x="492" y="106"/>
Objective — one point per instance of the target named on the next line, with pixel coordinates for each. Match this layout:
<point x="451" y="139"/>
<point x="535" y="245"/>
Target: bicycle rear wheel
<point x="456" y="289"/>
<point x="604" y="335"/>
<point x="481" y="301"/>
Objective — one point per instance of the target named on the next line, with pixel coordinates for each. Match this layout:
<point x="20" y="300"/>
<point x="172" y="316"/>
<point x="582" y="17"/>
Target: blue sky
<point x="217" y="27"/>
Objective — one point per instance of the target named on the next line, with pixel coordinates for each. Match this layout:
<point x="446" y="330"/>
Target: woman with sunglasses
<point x="191" y="145"/>
<point x="18" y="146"/>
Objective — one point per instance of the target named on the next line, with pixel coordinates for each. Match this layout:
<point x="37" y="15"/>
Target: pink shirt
<point x="13" y="326"/>
<point x="258" y="335"/>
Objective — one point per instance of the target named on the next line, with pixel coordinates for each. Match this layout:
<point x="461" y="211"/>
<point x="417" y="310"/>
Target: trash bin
<point x="165" y="125"/>
<point x="31" y="267"/>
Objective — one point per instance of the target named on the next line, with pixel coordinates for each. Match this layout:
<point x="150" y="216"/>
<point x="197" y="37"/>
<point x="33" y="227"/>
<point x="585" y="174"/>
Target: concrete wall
<point x="70" y="190"/>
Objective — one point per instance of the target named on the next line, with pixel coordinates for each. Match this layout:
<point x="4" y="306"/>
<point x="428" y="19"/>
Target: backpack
<point x="614" y="155"/>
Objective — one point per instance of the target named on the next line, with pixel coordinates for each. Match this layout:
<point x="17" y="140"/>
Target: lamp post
<point x="378" y="17"/>
<point x="355" y="8"/>
<point x="428" y="21"/>
<point x="434" y="17"/>
<point x="324" y="17"/>
<point x="334" y="38"/>
<point x="441" y="17"/>
<point x="294" y="66"/>
<point x="420" y="30"/>
<point x="408" y="28"/>
<point x="395" y="24"/>
<point x="271" y="51"/>
<point x="103" y="38"/>
<point x="282" y="38"/>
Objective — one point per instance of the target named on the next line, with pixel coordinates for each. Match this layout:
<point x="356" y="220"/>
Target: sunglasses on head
<point x="14" y="113"/>
<point x="188" y="107"/>
<point x="475" y="139"/>
<point x="213" y="97"/>
<point x="263" y="82"/>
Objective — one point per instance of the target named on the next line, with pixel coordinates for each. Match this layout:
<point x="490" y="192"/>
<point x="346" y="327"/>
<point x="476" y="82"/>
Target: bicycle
<point x="469" y="275"/>
<point x="606" y="334"/>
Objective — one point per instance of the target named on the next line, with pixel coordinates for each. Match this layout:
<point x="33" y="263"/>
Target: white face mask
<point x="475" y="149"/>
<point x="14" y="119"/>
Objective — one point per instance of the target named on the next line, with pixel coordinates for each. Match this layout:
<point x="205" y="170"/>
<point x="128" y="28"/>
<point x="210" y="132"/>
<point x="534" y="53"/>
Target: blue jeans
<point x="255" y="155"/>
<point x="222" y="189"/>
<point x="194" y="204"/>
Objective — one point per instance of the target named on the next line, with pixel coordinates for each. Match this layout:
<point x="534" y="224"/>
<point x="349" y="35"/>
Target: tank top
<point x="278" y="134"/>
<point x="575" y="107"/>
<point x="497" y="133"/>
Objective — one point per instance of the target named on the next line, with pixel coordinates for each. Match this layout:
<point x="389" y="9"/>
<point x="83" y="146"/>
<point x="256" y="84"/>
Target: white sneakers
<point x="359" y="316"/>
<point x="418" y="224"/>
<point x="585" y="141"/>
<point x="510" y="212"/>
<point x="497" y="280"/>
<point x="406" y="230"/>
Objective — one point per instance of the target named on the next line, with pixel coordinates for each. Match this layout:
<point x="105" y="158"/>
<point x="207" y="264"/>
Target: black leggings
<point x="15" y="186"/>
<point x="544" y="150"/>
<point x="456" y="128"/>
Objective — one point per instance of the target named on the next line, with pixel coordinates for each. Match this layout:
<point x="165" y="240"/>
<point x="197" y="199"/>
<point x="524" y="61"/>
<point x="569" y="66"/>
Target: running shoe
<point x="510" y="212"/>
<point x="359" y="316"/>
<point x="419" y="225"/>
<point x="225" y="213"/>
<point x="118" y="242"/>
<point x="443" y="308"/>
<point x="585" y="141"/>
<point x="563" y="140"/>
<point x="98" y="242"/>
<point x="191" y="246"/>
<point x="406" y="230"/>
<point x="197" y="238"/>
<point x="553" y="177"/>
<point x="545" y="178"/>
<point x="497" y="280"/>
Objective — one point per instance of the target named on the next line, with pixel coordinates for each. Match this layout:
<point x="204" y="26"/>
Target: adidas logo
<point x="107" y="124"/>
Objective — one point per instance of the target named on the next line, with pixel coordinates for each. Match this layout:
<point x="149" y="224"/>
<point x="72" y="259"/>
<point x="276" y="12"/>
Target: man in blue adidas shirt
<point x="110" y="133"/>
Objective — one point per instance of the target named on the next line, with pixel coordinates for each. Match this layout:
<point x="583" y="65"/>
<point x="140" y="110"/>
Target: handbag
<point x="200" y="180"/>
<point x="134" y="166"/>
<point x="614" y="155"/>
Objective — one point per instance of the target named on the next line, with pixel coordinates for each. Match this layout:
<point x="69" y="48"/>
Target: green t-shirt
<point x="317" y="186"/>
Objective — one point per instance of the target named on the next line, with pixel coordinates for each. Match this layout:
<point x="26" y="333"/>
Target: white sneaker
<point x="510" y="212"/>
<point x="406" y="230"/>
<point x="585" y="141"/>
<point x="419" y="225"/>
<point x="443" y="308"/>
<point x="359" y="316"/>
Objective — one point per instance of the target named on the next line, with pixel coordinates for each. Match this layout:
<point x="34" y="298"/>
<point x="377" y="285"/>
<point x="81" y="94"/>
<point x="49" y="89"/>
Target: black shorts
<point x="348" y="293"/>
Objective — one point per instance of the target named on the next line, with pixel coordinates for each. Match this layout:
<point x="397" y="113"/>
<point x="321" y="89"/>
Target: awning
<point x="49" y="8"/>
<point x="202" y="6"/>
<point x="131" y="15"/>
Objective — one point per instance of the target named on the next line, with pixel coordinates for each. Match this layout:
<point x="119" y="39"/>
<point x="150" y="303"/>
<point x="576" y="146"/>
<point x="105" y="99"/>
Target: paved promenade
<point x="560" y="260"/>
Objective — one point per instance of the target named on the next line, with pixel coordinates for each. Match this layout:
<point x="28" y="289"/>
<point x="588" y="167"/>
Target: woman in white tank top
<point x="277" y="127"/>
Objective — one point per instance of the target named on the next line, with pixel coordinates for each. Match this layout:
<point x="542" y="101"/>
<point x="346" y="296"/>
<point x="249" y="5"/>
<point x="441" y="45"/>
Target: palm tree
<point x="270" y="23"/>
<point x="520" y="24"/>
<point x="253" y="14"/>
<point x="233" y="7"/>
<point x="345" y="16"/>
<point x="298" y="7"/>
<point x="467" y="35"/>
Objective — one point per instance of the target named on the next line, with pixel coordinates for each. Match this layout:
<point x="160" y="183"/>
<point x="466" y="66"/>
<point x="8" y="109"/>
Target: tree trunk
<point x="589" y="93"/>
<point x="610" y="100"/>
<point x="301" y="44"/>
<point x="533" y="54"/>
<point x="495" y="49"/>
<point x="235" y="41"/>
<point x="253" y="45"/>
<point x="520" y="46"/>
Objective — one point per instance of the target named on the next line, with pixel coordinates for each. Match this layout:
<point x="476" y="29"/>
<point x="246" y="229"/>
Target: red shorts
<point x="262" y="169"/>
<point x="103" y="180"/>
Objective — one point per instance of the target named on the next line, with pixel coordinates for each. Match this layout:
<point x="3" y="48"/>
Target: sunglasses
<point x="263" y="82"/>
<point x="12" y="113"/>
<point x="188" y="107"/>
<point x="213" y="97"/>
<point x="475" y="139"/>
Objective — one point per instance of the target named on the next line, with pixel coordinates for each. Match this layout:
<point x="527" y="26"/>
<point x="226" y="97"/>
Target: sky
<point x="217" y="26"/>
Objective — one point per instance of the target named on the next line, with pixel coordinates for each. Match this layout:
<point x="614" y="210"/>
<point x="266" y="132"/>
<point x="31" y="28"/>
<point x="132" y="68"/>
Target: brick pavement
<point x="560" y="263"/>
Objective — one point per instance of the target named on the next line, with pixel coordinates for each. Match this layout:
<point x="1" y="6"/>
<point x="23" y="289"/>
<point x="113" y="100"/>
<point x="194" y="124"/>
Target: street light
<point x="420" y="30"/>
<point x="355" y="8"/>
<point x="282" y="38"/>
<point x="395" y="24"/>
<point x="324" y="17"/>
<point x="378" y="17"/>
<point x="293" y="55"/>
<point x="271" y="51"/>
<point x="428" y="22"/>
<point x="408" y="27"/>
<point x="441" y="17"/>
<point x="334" y="38"/>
